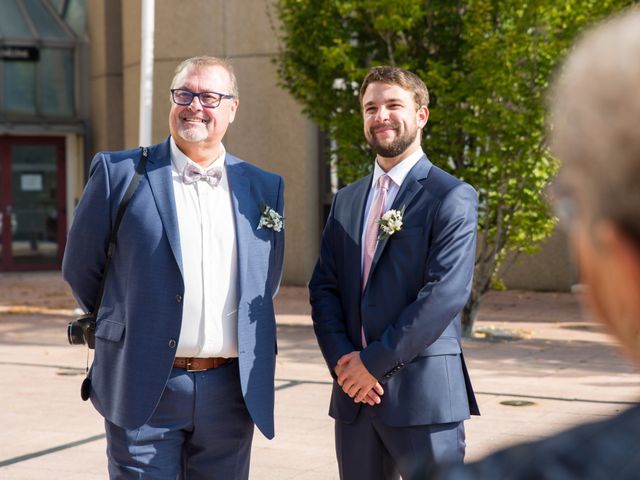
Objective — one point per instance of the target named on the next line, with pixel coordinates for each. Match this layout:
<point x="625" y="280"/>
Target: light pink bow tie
<point x="193" y="173"/>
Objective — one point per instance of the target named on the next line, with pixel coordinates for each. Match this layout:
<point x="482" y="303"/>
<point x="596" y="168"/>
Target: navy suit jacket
<point x="138" y="324"/>
<point x="420" y="279"/>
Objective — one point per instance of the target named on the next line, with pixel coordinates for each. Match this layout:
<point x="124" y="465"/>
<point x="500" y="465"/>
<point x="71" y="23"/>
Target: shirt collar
<point x="400" y="171"/>
<point x="180" y="160"/>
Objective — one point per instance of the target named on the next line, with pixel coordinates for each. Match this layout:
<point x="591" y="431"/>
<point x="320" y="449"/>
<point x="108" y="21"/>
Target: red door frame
<point x="5" y="201"/>
<point x="6" y="259"/>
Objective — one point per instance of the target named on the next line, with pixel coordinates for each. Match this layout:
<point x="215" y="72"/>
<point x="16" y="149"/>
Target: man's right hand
<point x="371" y="397"/>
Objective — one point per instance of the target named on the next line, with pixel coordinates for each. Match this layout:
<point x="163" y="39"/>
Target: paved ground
<point x="563" y="364"/>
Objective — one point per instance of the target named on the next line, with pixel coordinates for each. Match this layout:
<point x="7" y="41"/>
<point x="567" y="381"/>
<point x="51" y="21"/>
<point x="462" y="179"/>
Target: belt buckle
<point x="189" y="369"/>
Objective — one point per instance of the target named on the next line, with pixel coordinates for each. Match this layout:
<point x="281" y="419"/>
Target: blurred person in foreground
<point x="595" y="132"/>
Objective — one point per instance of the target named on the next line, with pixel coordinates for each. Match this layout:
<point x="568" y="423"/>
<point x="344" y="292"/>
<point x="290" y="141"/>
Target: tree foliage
<point x="487" y="64"/>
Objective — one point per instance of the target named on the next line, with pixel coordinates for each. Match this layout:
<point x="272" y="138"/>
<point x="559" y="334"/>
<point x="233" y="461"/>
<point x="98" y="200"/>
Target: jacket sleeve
<point x="88" y="238"/>
<point x="326" y="308"/>
<point x="448" y="278"/>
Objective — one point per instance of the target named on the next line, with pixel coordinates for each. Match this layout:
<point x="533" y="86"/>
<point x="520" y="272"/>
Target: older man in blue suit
<point x="394" y="272"/>
<point x="185" y="335"/>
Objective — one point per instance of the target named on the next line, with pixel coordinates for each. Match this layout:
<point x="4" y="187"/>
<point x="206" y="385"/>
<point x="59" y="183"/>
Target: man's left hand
<point x="354" y="378"/>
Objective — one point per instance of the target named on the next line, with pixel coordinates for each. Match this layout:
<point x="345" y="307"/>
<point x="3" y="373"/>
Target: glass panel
<point x="12" y="24"/>
<point x="56" y="81"/>
<point x="45" y="24"/>
<point x="76" y="16"/>
<point x="20" y="87"/>
<point x="34" y="204"/>
<point x="58" y="5"/>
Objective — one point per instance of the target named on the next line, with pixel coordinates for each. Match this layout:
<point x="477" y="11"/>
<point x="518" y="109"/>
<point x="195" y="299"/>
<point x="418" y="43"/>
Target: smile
<point x="195" y="120"/>
<point x="382" y="130"/>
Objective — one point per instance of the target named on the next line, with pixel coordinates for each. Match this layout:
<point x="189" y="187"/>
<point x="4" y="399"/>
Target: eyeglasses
<point x="207" y="99"/>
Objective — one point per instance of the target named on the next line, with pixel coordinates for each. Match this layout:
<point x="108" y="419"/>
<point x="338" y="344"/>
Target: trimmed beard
<point x="396" y="147"/>
<point x="192" y="135"/>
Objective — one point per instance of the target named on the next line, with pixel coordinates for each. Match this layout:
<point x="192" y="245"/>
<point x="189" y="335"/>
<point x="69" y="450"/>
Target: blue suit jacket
<point x="419" y="281"/>
<point x="140" y="316"/>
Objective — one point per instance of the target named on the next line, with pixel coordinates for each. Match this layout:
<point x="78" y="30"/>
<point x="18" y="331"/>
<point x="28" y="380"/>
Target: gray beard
<point x="192" y="135"/>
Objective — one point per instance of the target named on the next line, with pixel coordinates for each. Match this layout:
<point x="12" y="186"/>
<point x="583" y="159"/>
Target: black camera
<point x="82" y="330"/>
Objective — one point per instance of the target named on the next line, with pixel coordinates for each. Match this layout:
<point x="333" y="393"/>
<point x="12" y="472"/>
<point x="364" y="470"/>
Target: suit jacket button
<point x="172" y="343"/>
<point x="178" y="298"/>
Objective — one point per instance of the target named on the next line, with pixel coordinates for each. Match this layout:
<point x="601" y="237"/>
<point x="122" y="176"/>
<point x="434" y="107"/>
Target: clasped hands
<point x="356" y="381"/>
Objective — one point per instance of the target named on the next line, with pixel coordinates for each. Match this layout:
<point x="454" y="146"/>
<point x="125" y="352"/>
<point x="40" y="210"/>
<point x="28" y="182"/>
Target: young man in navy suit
<point x="394" y="273"/>
<point x="185" y="336"/>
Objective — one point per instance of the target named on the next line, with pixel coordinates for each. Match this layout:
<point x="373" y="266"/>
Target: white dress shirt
<point x="397" y="175"/>
<point x="209" y="263"/>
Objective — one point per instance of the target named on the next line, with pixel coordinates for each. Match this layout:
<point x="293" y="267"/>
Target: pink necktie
<point x="373" y="228"/>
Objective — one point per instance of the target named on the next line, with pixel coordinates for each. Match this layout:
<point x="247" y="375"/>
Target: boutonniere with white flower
<point x="269" y="218"/>
<point x="390" y="222"/>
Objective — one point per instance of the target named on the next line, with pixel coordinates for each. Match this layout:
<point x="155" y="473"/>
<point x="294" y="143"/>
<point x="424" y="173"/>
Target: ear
<point x="625" y="254"/>
<point x="620" y="286"/>
<point x="422" y="116"/>
<point x="232" y="109"/>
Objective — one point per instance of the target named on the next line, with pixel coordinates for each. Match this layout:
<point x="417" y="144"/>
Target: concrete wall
<point x="550" y="269"/>
<point x="105" y="78"/>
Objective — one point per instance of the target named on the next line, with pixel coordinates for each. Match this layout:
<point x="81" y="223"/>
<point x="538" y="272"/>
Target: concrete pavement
<point x="566" y="366"/>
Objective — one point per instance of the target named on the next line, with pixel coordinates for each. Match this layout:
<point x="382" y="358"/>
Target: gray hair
<point x="206" y="61"/>
<point x="595" y="122"/>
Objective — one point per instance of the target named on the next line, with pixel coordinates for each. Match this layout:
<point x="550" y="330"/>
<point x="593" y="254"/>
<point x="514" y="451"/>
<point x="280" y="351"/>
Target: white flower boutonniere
<point x="390" y="223"/>
<point x="269" y="218"/>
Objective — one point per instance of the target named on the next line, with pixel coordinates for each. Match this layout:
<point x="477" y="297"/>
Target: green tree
<point x="487" y="64"/>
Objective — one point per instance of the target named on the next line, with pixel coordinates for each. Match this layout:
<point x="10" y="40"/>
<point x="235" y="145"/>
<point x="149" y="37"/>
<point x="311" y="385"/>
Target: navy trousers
<point x="367" y="448"/>
<point x="200" y="430"/>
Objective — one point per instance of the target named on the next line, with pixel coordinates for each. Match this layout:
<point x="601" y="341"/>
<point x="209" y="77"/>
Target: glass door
<point x="32" y="193"/>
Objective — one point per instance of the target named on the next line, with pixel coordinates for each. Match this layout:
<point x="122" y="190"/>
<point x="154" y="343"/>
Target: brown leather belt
<point x="194" y="364"/>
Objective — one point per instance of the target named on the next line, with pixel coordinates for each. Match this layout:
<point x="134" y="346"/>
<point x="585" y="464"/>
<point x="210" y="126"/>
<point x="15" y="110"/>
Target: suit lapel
<point x="358" y="214"/>
<point x="240" y="196"/>
<point x="408" y="190"/>
<point x="354" y="226"/>
<point x="159" y="175"/>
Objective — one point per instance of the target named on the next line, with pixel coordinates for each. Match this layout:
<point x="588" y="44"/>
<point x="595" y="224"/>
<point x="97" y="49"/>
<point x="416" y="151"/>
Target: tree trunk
<point x="469" y="314"/>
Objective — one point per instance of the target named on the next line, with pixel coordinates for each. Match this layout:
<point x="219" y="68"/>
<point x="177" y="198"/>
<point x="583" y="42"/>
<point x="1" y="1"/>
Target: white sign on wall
<point x="31" y="182"/>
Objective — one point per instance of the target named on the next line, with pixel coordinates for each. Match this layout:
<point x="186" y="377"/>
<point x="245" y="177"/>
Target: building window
<point x="38" y="61"/>
<point x="19" y="93"/>
<point x="56" y="82"/>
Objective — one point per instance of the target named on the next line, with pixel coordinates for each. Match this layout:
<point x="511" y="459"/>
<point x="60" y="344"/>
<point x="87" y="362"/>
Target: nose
<point x="381" y="115"/>
<point x="195" y="104"/>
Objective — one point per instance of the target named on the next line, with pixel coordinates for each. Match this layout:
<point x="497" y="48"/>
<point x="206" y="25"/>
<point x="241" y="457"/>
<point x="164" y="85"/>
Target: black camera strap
<point x="85" y="389"/>
<point x="133" y="185"/>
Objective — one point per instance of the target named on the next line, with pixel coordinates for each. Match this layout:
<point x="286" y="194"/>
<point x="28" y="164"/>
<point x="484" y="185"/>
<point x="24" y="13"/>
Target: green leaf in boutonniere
<point x="269" y="218"/>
